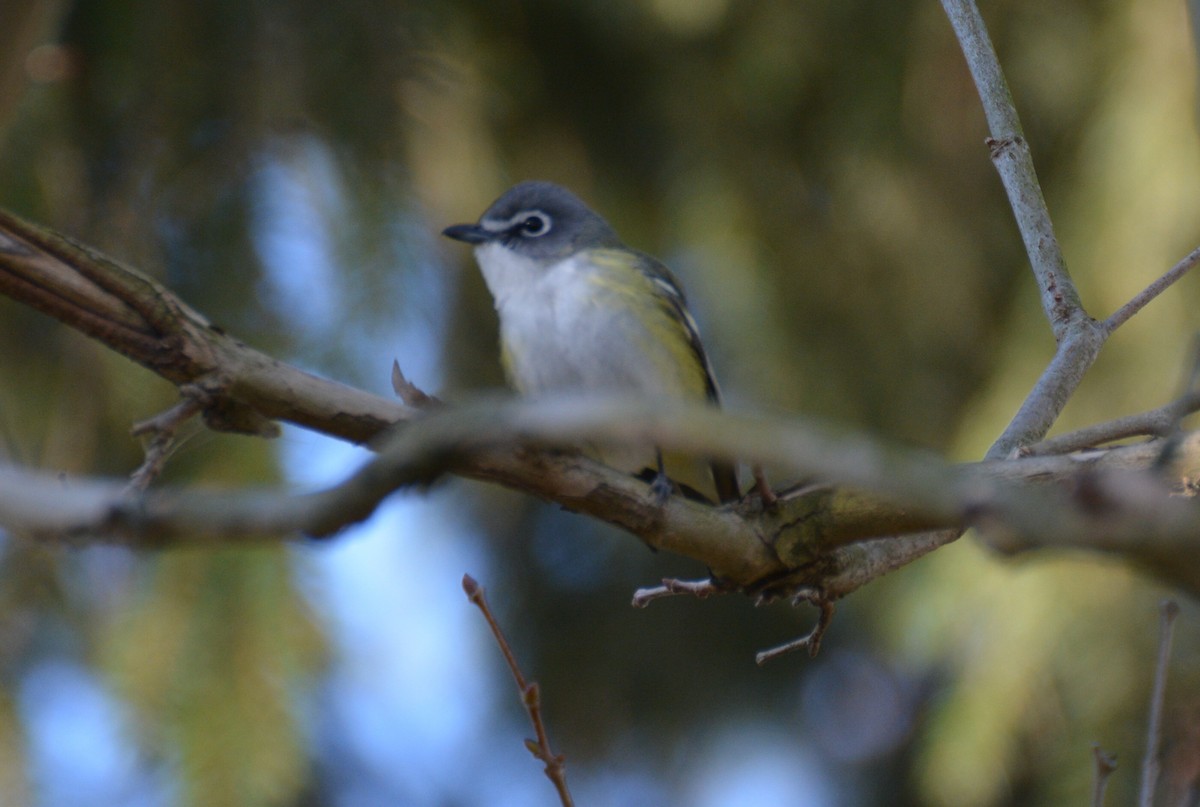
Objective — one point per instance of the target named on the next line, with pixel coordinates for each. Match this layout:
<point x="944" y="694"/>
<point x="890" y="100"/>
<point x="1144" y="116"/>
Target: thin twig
<point x="1181" y="410"/>
<point x="812" y="640"/>
<point x="1153" y="423"/>
<point x="163" y="429"/>
<point x="673" y="587"/>
<point x="556" y="770"/>
<point x="1122" y="314"/>
<point x="1150" y="764"/>
<point x="1106" y="763"/>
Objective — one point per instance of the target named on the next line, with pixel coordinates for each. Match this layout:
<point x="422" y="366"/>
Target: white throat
<point x="508" y="275"/>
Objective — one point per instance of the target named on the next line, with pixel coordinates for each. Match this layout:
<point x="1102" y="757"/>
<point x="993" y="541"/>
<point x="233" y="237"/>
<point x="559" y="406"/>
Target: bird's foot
<point x="662" y="487"/>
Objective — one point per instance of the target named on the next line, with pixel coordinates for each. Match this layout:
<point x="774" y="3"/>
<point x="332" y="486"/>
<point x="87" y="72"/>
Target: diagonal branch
<point x="1011" y="156"/>
<point x="1164" y="282"/>
<point x="530" y="694"/>
<point x="1078" y="336"/>
<point x="1074" y="357"/>
<point x="1158" y="422"/>
<point x="139" y="318"/>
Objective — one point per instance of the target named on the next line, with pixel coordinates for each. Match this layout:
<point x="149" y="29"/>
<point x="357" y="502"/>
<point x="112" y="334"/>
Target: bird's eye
<point x="535" y="225"/>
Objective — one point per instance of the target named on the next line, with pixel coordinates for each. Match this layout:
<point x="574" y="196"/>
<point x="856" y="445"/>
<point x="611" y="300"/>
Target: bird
<point x="580" y="312"/>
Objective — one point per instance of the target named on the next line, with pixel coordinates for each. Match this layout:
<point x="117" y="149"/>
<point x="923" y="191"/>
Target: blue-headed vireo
<point x="581" y="312"/>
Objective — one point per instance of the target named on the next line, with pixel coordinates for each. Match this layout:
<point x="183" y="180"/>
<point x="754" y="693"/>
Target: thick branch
<point x="136" y="316"/>
<point x="809" y="538"/>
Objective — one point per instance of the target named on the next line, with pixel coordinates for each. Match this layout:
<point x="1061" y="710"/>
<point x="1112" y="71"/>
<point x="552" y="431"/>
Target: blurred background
<point x="815" y="174"/>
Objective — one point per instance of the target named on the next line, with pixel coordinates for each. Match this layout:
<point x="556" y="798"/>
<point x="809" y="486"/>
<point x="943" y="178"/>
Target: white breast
<point x="561" y="333"/>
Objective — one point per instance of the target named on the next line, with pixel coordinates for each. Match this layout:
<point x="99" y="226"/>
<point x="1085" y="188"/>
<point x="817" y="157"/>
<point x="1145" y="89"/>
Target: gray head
<point x="538" y="220"/>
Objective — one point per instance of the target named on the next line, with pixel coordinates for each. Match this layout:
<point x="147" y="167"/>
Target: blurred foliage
<point x="211" y="647"/>
<point x="815" y="174"/>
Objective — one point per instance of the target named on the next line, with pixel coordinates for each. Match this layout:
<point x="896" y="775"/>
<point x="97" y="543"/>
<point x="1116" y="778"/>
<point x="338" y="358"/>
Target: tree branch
<point x="139" y="318"/>
<point x="1074" y="357"/>
<point x="1164" y="282"/>
<point x="1078" y="336"/>
<point x="1158" y="422"/>
<point x="1011" y="156"/>
<point x="1168" y="611"/>
<point x="830" y="539"/>
<point x="531" y="699"/>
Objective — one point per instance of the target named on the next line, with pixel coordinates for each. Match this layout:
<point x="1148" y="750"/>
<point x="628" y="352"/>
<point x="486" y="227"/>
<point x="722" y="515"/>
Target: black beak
<point x="471" y="233"/>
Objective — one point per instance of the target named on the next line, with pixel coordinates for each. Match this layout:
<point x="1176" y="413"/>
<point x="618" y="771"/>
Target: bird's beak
<point x="471" y="233"/>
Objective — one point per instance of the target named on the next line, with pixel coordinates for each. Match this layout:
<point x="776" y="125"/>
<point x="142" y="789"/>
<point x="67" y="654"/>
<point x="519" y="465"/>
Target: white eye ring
<point x="534" y="225"/>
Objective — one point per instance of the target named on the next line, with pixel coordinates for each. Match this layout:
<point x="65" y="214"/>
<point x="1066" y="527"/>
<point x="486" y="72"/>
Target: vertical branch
<point x="1168" y="612"/>
<point x="1011" y="156"/>
<point x="1078" y="336"/>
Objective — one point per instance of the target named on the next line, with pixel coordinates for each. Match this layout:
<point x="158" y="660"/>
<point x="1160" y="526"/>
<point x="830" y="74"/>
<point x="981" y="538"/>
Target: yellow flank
<point x="667" y="341"/>
<point x="678" y="360"/>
